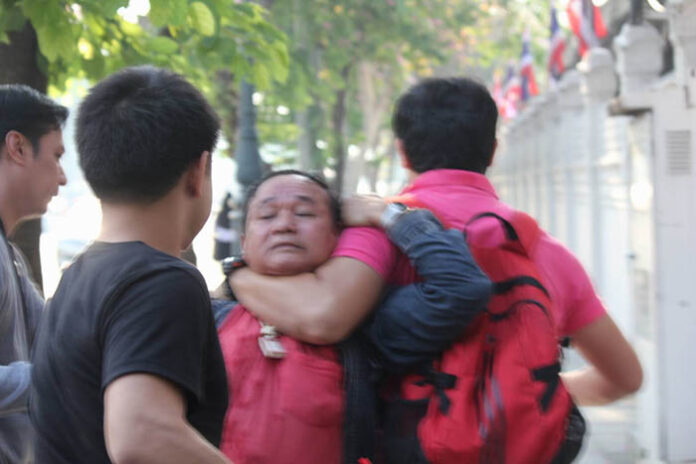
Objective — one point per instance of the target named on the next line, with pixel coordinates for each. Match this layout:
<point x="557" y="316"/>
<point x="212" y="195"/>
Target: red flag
<point x="528" y="85"/>
<point x="555" y="64"/>
<point x="587" y="23"/>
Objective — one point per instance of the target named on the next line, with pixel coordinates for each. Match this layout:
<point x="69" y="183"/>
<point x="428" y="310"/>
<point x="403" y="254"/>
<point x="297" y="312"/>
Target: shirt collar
<point x="451" y="178"/>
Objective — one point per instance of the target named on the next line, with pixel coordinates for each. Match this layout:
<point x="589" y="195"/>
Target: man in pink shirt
<point x="445" y="131"/>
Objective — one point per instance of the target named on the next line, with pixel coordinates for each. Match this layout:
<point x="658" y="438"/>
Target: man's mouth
<point x="286" y="245"/>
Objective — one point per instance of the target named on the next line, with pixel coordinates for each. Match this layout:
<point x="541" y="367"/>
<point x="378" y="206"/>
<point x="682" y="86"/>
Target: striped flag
<point x="512" y="91"/>
<point x="528" y="83"/>
<point x="555" y="65"/>
<point x="587" y="23"/>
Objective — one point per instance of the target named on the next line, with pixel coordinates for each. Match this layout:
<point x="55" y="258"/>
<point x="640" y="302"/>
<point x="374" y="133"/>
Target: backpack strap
<point x="440" y="381"/>
<point x="519" y="227"/>
<point x="548" y="375"/>
<point x="521" y="230"/>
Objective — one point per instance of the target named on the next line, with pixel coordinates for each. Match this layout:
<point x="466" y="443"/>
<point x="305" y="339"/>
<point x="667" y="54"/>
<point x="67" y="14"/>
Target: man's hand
<point x="362" y="210"/>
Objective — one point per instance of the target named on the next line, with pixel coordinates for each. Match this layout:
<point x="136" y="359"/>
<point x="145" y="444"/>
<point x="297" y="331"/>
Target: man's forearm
<point x="167" y="443"/>
<point x="589" y="387"/>
<point x="416" y="322"/>
<point x="144" y="422"/>
<point x="276" y="300"/>
<point x="614" y="370"/>
<point x="14" y="387"/>
<point x="321" y="307"/>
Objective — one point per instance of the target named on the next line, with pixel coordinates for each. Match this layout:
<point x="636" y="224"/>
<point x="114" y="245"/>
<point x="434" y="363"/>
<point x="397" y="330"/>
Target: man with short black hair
<point x="31" y="145"/>
<point x="127" y="365"/>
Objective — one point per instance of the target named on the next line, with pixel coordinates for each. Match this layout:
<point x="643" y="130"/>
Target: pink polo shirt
<point x="456" y="196"/>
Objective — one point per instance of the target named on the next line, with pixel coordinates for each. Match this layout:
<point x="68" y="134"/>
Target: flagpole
<point x="636" y="12"/>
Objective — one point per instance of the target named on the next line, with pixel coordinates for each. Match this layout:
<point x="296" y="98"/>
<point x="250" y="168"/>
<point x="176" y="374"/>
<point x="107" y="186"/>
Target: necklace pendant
<point x="271" y="347"/>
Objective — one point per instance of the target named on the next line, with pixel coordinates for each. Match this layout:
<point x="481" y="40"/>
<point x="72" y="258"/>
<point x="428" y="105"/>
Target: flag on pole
<point x="587" y="23"/>
<point x="528" y="85"/>
<point x="512" y="92"/>
<point x="557" y="48"/>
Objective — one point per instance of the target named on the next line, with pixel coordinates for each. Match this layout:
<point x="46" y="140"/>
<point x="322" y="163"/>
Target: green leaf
<point x="11" y="19"/>
<point x="106" y="8"/>
<point x="168" y="12"/>
<point x="109" y="7"/>
<point x="202" y="19"/>
<point x="163" y="45"/>
<point x="131" y="29"/>
<point x="95" y="67"/>
<point x="4" y="38"/>
<point x="94" y="24"/>
<point x="261" y="76"/>
<point x="55" y="32"/>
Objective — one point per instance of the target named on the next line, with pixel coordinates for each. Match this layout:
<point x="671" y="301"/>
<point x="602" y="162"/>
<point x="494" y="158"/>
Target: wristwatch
<point x="391" y="213"/>
<point x="229" y="265"/>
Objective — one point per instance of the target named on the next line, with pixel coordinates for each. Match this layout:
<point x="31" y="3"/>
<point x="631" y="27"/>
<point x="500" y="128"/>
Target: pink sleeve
<point x="369" y="245"/>
<point x="574" y="296"/>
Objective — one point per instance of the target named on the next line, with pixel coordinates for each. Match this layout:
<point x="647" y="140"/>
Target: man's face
<point x="289" y="228"/>
<point x="44" y="173"/>
<point x="201" y="203"/>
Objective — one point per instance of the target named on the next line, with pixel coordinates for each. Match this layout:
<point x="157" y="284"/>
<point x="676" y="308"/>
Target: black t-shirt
<point x="122" y="308"/>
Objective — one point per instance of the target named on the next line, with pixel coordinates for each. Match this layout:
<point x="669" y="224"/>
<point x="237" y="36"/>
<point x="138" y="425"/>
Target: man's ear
<point x="405" y="163"/>
<point x="196" y="175"/>
<point x="495" y="148"/>
<point x="16" y="146"/>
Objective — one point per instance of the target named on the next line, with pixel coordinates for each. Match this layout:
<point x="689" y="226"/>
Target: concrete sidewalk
<point x="610" y="437"/>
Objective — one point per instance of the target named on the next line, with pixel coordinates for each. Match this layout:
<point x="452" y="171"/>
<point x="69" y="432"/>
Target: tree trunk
<point x="20" y="66"/>
<point x="338" y="118"/>
<point x="20" y="60"/>
<point x="374" y="103"/>
<point x="305" y="142"/>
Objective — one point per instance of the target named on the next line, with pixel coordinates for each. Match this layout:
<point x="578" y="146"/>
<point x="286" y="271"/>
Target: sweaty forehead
<point x="289" y="188"/>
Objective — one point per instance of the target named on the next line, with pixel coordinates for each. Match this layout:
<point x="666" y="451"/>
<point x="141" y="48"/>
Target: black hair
<point x="28" y="112"/>
<point x="138" y="130"/>
<point x="447" y="123"/>
<point x="334" y="202"/>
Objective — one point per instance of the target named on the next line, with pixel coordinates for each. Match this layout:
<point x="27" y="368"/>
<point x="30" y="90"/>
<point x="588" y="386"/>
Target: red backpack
<point x="497" y="396"/>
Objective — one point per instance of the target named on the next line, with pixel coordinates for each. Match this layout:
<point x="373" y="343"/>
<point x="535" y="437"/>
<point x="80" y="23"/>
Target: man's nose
<point x="62" y="180"/>
<point x="284" y="222"/>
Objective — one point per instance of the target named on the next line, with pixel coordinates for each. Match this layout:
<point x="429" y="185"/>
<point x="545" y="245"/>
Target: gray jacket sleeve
<point x="14" y="387"/>
<point x="18" y="324"/>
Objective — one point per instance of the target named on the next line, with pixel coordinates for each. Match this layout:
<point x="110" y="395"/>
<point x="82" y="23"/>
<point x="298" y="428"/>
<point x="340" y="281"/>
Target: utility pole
<point x="249" y="168"/>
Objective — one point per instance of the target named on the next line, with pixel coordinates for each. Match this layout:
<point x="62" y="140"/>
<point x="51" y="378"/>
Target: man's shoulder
<point x="108" y="274"/>
<point x="369" y="245"/>
<point x="127" y="263"/>
<point x="362" y="235"/>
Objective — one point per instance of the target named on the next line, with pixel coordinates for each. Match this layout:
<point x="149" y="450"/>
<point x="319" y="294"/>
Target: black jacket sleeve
<point x="416" y="322"/>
